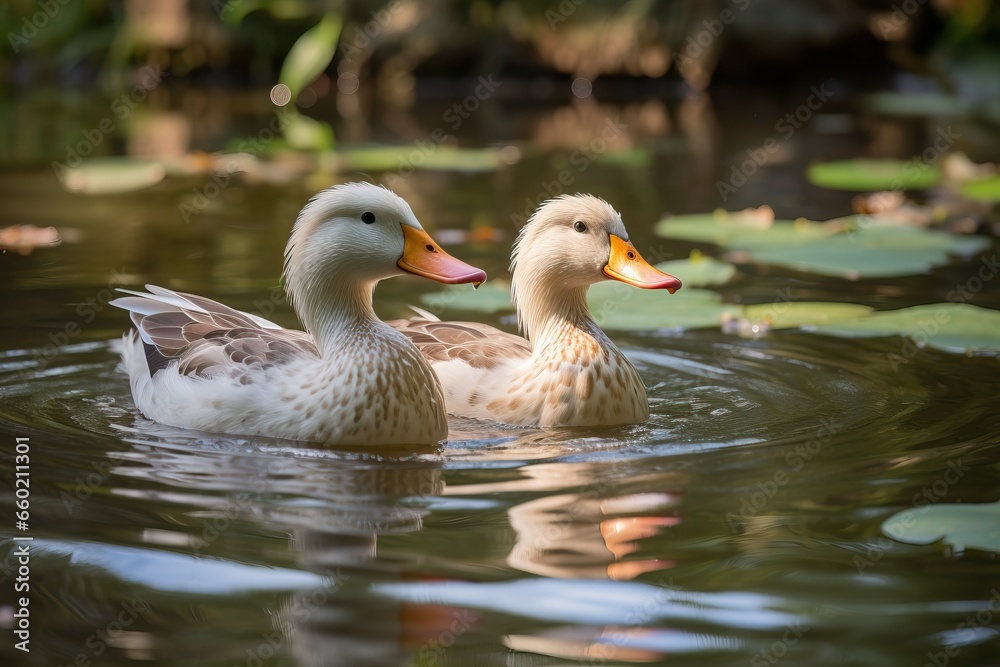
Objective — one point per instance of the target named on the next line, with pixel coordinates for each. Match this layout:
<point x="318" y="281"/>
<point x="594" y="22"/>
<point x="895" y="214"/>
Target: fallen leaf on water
<point x="964" y="526"/>
<point x="23" y="239"/>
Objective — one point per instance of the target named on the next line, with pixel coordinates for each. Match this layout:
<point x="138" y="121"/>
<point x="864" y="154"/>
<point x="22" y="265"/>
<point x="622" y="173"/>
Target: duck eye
<point x="368" y="217"/>
<point x="580" y="226"/>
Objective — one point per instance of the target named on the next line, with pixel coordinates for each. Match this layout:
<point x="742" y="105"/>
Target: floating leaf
<point x="739" y="232"/>
<point x="699" y="270"/>
<point x="411" y="157"/>
<point x="491" y="297"/>
<point x="987" y="189"/>
<point x="877" y="252"/>
<point x="795" y="314"/>
<point x="311" y="54"/>
<point x="951" y="327"/>
<point x="964" y="526"/>
<point x="23" y="239"/>
<point x="853" y="247"/>
<point x="866" y="175"/>
<point x="112" y="175"/>
<point x="620" y="307"/>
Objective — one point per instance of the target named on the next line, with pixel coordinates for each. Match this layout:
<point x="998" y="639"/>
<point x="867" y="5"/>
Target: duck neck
<point x="549" y="313"/>
<point x="335" y="309"/>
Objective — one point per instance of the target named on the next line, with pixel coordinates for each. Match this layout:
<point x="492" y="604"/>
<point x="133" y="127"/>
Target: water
<point x="739" y="525"/>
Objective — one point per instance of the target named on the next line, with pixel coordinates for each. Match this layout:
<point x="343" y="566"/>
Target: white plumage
<point x="566" y="371"/>
<point x="347" y="379"/>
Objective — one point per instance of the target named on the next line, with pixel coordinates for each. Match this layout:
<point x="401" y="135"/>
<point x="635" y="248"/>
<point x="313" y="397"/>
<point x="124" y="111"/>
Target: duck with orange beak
<point x="565" y="371"/>
<point x="348" y="378"/>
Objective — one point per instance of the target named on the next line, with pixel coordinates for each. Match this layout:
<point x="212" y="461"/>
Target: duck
<point x="563" y="370"/>
<point x="347" y="378"/>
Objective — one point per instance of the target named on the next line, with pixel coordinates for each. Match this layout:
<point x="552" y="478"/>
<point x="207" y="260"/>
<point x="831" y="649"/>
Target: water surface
<point x="740" y="524"/>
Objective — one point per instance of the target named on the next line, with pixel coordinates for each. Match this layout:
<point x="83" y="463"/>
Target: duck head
<point x="349" y="237"/>
<point x="568" y="244"/>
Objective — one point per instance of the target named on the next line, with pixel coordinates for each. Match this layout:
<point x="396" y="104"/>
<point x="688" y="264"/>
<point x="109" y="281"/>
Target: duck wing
<point x="478" y="345"/>
<point x="206" y="337"/>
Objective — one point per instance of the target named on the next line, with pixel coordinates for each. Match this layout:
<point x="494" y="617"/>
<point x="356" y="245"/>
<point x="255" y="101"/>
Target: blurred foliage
<point x="246" y="41"/>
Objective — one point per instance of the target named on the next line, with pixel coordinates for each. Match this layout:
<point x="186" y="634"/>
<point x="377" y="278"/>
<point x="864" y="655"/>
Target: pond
<point x="743" y="523"/>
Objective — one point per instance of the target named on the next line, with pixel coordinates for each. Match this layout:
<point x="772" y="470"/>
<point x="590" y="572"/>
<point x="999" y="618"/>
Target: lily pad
<point x="436" y="158"/>
<point x="737" y="231"/>
<point x="951" y="327"/>
<point x="616" y="306"/>
<point x="866" y="174"/>
<point x="491" y="297"/>
<point x="987" y="189"/>
<point x="878" y="252"/>
<point x="112" y="175"/>
<point x="620" y="307"/>
<point x="853" y="247"/>
<point x="796" y="314"/>
<point x="699" y="270"/>
<point x="964" y="526"/>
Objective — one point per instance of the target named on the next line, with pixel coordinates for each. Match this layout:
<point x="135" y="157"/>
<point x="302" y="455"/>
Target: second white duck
<point x="565" y="371"/>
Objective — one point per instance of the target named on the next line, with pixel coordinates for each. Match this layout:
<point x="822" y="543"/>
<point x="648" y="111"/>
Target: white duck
<point x="566" y="371"/>
<point x="347" y="379"/>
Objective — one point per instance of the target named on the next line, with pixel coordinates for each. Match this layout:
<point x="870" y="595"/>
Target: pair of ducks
<point x="352" y="379"/>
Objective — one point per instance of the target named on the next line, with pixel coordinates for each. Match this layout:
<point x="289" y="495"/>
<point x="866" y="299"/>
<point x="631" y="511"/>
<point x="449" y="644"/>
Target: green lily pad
<point x="616" y="306"/>
<point x="987" y="189"/>
<point x="112" y="175"/>
<point x="436" y="158"/>
<point x="620" y="307"/>
<point x="853" y="247"/>
<point x="699" y="270"/>
<point x="964" y="526"/>
<point x="868" y="175"/>
<point x="876" y="253"/>
<point x="737" y="231"/>
<point x="796" y="314"/>
<point x="951" y="327"/>
<point x="491" y="297"/>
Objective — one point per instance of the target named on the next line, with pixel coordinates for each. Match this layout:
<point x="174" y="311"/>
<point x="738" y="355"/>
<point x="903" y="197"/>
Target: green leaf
<point x="311" y="54"/>
<point x="112" y="175"/>
<point x="699" y="270"/>
<point x="491" y="297"/>
<point x="853" y="247"/>
<point x="868" y="175"/>
<point x="305" y="133"/>
<point x="616" y="306"/>
<point x="620" y="307"/>
<point x="793" y="315"/>
<point x="951" y="327"/>
<point x="964" y="526"/>
<point x="987" y="189"/>
<point x="740" y="232"/>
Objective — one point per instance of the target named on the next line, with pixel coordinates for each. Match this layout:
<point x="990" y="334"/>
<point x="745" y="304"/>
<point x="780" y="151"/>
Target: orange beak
<point x="627" y="265"/>
<point x="423" y="257"/>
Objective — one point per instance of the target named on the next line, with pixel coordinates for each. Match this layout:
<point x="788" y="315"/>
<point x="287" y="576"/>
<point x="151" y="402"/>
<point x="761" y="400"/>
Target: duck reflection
<point x="586" y="534"/>
<point x="334" y="507"/>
